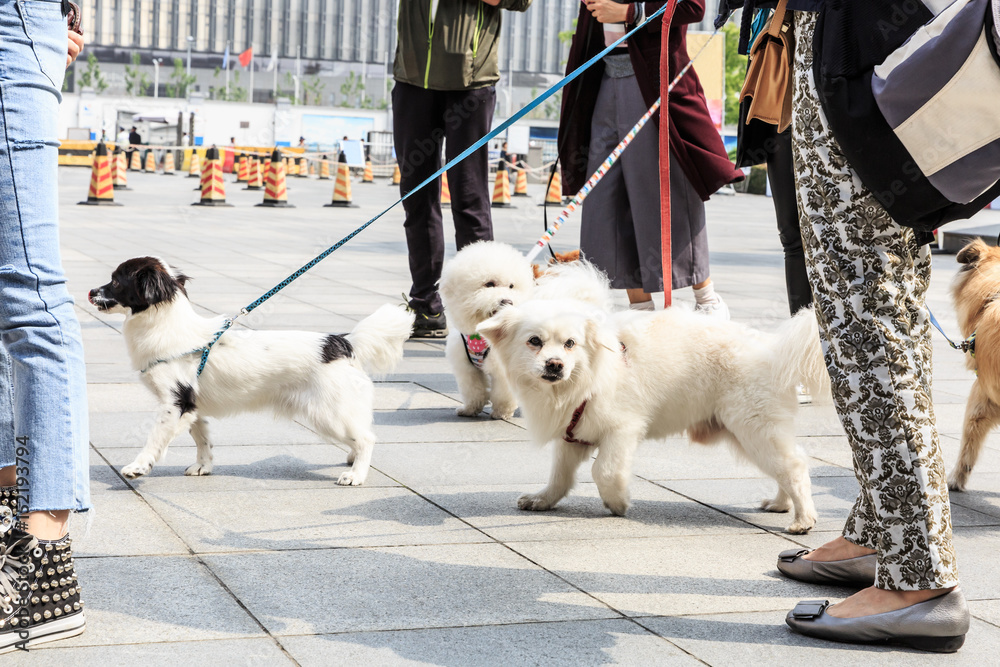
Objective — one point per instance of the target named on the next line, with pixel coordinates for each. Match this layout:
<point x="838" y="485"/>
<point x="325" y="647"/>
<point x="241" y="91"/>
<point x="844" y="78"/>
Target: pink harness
<point x="476" y="349"/>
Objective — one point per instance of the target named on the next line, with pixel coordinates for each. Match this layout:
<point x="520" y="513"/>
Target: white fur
<point x="249" y="371"/>
<point x="679" y="371"/>
<point x="468" y="301"/>
<point x="579" y="281"/>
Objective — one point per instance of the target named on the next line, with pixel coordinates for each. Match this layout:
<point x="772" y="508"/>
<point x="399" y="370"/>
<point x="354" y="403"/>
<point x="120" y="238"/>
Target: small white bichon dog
<point x="485" y="277"/>
<point x="481" y="279"/>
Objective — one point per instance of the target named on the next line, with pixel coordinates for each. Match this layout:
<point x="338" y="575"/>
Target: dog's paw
<point x="617" y="507"/>
<point x="469" y="410"/>
<point x="503" y="411"/>
<point x="134" y="469"/>
<point x="198" y="470"/>
<point x="801" y="526"/>
<point x="351" y="478"/>
<point x="777" y="505"/>
<point x="957" y="482"/>
<point x="534" y="502"/>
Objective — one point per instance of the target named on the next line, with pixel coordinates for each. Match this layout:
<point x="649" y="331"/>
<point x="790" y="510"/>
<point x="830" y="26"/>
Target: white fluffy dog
<point x="319" y="378"/>
<point x="591" y="381"/>
<point x="483" y="278"/>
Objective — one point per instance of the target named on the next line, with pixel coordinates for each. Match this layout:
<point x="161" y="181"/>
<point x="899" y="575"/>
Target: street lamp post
<point x="190" y="41"/>
<point x="156" y="76"/>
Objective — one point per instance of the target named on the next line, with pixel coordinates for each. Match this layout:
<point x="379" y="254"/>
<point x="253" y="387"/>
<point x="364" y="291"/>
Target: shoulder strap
<point x="778" y="18"/>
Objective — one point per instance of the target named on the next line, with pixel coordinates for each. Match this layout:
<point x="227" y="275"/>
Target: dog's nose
<point x="506" y="302"/>
<point x="91" y="295"/>
<point x="554" y="366"/>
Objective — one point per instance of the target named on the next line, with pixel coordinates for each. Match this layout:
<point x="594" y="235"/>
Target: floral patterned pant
<point x="869" y="280"/>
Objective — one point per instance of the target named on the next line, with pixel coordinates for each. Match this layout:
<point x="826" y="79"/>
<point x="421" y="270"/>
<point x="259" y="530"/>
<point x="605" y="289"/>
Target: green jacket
<point x="455" y="51"/>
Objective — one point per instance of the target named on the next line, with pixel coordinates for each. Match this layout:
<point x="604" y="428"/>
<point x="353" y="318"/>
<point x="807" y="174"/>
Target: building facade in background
<point x="328" y="39"/>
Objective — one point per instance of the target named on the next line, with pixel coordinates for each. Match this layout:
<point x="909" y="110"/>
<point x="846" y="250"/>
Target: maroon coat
<point x="694" y="141"/>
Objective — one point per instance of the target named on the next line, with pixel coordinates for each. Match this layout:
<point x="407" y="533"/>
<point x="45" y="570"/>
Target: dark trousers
<point x="781" y="176"/>
<point x="421" y="120"/>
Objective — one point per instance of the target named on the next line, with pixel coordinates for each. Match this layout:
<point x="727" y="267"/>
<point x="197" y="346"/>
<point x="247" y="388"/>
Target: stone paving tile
<point x="441" y="426"/>
<point x="982" y="493"/>
<point x="121" y="523"/>
<point x="156" y="599"/>
<point x="248" y="652"/>
<point x="833" y="496"/>
<point x="269" y="519"/>
<point x="130" y="429"/>
<point x="678" y="458"/>
<point x="421" y="465"/>
<point x="116" y="397"/>
<point x="655" y="512"/>
<point x="409" y="396"/>
<point x="817" y="419"/>
<point x="762" y="638"/>
<point x="569" y="644"/>
<point x="398" y="588"/>
<point x="676" y="575"/>
<point x="247" y="467"/>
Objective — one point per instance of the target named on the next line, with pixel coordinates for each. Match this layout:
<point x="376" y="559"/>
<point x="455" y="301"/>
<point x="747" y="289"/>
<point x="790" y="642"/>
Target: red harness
<point x="577" y="414"/>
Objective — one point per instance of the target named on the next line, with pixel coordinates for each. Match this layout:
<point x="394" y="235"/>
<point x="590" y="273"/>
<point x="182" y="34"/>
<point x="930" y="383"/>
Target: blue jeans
<point x="43" y="399"/>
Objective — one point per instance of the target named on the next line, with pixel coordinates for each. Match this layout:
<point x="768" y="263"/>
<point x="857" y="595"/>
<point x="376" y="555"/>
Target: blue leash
<point x="466" y="153"/>
<point x="967" y="345"/>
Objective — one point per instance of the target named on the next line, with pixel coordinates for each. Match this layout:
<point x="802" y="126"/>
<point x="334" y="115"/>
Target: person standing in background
<point x="620" y="227"/>
<point x="121" y="139"/>
<point x="446" y="67"/>
<point x="134" y="141"/>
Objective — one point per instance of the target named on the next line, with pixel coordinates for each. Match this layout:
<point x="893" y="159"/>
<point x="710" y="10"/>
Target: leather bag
<point x="769" y="74"/>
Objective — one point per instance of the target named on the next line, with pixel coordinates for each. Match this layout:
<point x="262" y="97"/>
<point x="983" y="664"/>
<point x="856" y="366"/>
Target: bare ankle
<point x="48" y="525"/>
<point x="839" y="548"/>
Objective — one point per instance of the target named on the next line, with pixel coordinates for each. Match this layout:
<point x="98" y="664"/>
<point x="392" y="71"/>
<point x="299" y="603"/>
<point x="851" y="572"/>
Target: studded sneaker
<point x="8" y="497"/>
<point x="40" y="600"/>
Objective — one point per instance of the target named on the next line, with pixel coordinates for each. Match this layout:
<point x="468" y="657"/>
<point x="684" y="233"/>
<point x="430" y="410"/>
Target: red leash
<point x="666" y="258"/>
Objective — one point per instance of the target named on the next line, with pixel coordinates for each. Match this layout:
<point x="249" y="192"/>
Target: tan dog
<point x="560" y="258"/>
<point x="976" y="293"/>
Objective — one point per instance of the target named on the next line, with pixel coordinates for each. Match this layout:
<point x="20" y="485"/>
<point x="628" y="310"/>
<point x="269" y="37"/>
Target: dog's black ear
<point x="500" y="326"/>
<point x="156" y="285"/>
<point x="972" y="253"/>
<point x="181" y="280"/>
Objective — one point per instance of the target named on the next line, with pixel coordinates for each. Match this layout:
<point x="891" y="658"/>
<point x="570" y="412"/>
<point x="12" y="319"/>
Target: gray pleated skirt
<point x="620" y="229"/>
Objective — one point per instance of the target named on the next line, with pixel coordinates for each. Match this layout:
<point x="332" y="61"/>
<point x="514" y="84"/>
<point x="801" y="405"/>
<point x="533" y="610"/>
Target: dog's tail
<point x="798" y="356"/>
<point x="378" y="339"/>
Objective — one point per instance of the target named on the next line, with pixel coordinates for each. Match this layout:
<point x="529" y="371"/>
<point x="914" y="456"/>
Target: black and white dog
<point x="319" y="378"/>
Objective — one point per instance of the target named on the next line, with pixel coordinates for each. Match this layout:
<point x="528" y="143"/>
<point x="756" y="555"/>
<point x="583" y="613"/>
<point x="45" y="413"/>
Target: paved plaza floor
<point x="268" y="561"/>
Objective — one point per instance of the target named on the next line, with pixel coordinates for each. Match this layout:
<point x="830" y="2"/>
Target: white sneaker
<point x="717" y="309"/>
<point x="805" y="398"/>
